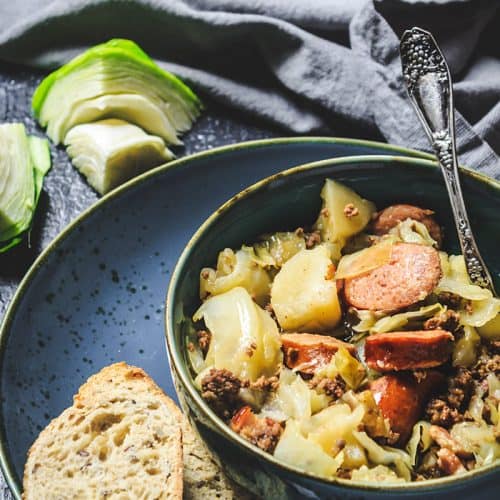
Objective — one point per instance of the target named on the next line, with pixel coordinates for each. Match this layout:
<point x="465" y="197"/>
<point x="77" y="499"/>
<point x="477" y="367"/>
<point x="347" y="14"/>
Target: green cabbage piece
<point x="385" y="455"/>
<point x="293" y="399"/>
<point x="465" y="348"/>
<point x="24" y="161"/>
<point x="420" y="440"/>
<point x="74" y="93"/>
<point x="277" y="248"/>
<point x="379" y="474"/>
<point x="412" y="231"/>
<point x="371" y="322"/>
<point x="298" y="451"/>
<point x="456" y="280"/>
<point x="343" y="363"/>
<point x="236" y="269"/>
<point x="110" y="152"/>
<point x="478" y="439"/>
<point x="245" y="339"/>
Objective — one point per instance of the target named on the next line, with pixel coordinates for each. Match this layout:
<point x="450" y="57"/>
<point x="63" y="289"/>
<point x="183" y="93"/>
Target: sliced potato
<point x="304" y="293"/>
<point x="344" y="213"/>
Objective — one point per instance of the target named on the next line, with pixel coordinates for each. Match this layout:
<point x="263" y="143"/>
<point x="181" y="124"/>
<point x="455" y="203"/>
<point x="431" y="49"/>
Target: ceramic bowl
<point x="286" y="201"/>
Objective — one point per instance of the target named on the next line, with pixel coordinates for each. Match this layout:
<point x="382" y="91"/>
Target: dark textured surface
<point x="65" y="193"/>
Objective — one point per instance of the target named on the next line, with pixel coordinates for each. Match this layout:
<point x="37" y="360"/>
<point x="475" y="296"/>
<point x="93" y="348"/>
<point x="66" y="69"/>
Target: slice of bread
<point x="203" y="476"/>
<point x="120" y="440"/>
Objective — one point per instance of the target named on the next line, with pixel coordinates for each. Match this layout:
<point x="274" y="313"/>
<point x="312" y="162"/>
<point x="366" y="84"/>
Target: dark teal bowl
<point x="286" y="201"/>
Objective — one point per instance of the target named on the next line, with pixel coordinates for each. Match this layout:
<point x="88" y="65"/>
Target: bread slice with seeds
<point x="203" y="475"/>
<point x="121" y="440"/>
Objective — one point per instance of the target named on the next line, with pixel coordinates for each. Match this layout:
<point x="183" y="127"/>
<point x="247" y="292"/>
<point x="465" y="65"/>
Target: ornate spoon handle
<point x="428" y="81"/>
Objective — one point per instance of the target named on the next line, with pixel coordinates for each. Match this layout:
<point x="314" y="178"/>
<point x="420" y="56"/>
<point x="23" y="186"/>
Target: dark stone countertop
<point x="65" y="192"/>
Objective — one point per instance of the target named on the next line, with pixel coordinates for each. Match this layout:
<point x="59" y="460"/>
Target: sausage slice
<point x="401" y="398"/>
<point x="391" y="216"/>
<point x="408" y="350"/>
<point x="412" y="273"/>
<point x="306" y="352"/>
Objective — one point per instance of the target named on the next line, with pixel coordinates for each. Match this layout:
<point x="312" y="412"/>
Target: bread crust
<point x="117" y="384"/>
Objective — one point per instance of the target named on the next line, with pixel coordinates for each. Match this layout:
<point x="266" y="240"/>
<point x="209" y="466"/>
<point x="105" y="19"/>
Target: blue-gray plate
<point x="96" y="294"/>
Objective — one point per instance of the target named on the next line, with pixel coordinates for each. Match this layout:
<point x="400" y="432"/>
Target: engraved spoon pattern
<point x="428" y="82"/>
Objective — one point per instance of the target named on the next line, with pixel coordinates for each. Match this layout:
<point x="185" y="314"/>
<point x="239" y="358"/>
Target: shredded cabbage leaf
<point x="465" y="348"/>
<point x="298" y="451"/>
<point x="245" y="339"/>
<point x="277" y="248"/>
<point x="236" y="270"/>
<point x="420" y="440"/>
<point x="379" y="474"/>
<point x="343" y="363"/>
<point x="371" y="322"/>
<point x="386" y="455"/>
<point x="364" y="261"/>
<point x="412" y="231"/>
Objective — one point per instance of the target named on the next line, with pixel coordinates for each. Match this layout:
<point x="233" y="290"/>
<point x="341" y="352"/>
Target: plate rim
<point x="5" y="464"/>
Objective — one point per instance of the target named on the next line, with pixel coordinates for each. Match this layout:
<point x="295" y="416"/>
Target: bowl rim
<point x="177" y="367"/>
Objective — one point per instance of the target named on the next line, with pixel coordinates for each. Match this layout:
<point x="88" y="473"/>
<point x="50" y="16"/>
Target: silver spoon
<point x="428" y="82"/>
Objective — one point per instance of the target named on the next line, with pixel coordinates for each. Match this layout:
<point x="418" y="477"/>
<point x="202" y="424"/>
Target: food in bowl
<point x="355" y="348"/>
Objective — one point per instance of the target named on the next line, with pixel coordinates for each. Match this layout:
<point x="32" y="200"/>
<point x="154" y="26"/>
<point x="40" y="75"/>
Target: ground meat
<point x="344" y="473"/>
<point x="448" y="320"/>
<point x="350" y="210"/>
<point x="448" y="408"/>
<point x="204" y="338"/>
<point x="265" y="384"/>
<point x="335" y="388"/>
<point x="313" y="239"/>
<point x="263" y="432"/>
<point x="220" y="389"/>
<point x="488" y="362"/>
<point x="450" y="299"/>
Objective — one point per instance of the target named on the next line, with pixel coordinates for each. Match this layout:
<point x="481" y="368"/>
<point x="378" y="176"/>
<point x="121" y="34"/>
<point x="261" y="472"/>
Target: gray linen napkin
<point x="318" y="66"/>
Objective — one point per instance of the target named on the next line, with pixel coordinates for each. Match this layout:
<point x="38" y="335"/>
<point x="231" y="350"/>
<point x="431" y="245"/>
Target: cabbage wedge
<point x="23" y="164"/>
<point x="110" y="152"/>
<point x="116" y="79"/>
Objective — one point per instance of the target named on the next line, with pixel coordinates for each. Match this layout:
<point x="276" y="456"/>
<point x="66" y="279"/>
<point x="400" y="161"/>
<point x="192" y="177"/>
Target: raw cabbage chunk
<point x="236" y="269"/>
<point x="133" y="108"/>
<point x="412" y="231"/>
<point x="24" y="161"/>
<point x="110" y="152"/>
<point x="364" y="261"/>
<point x="304" y="292"/>
<point x="379" y="474"/>
<point x="333" y="224"/>
<point x="245" y="339"/>
<point x="277" y="248"/>
<point x="294" y="449"/>
<point x="343" y="363"/>
<point x="118" y="67"/>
